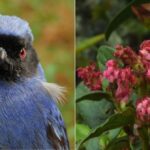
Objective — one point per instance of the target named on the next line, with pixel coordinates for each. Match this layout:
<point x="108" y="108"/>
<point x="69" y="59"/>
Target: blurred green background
<point x="52" y="23"/>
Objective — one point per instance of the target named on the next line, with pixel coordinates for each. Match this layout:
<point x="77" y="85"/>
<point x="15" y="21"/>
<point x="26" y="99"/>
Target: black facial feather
<point x="12" y="68"/>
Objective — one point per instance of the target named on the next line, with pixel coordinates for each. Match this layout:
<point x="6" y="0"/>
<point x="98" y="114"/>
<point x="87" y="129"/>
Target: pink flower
<point x="127" y="55"/>
<point x="112" y="71"/>
<point x="148" y="74"/>
<point x="145" y="56"/>
<point x="112" y="63"/>
<point x="122" y="94"/>
<point x="91" y="78"/>
<point x="126" y="76"/>
<point x="125" y="82"/>
<point x="143" y="110"/>
<point x="145" y="50"/>
<point x="145" y="44"/>
<point x="123" y="79"/>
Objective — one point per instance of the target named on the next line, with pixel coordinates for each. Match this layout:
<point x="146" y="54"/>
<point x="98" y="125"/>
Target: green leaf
<point x="118" y="144"/>
<point x="93" y="144"/>
<point x="94" y="96"/>
<point x="104" y="54"/>
<point x="114" y="133"/>
<point x="83" y="45"/>
<point x="101" y="109"/>
<point x="104" y="140"/>
<point x="81" y="90"/>
<point x="94" y="113"/>
<point x="81" y="131"/>
<point x="115" y="121"/>
<point x="105" y="84"/>
<point x="123" y="15"/>
<point x="118" y="19"/>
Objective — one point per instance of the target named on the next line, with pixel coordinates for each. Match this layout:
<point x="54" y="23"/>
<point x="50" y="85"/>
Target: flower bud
<point x="143" y="110"/>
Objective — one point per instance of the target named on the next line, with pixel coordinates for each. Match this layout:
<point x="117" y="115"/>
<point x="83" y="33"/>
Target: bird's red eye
<point x="22" y="54"/>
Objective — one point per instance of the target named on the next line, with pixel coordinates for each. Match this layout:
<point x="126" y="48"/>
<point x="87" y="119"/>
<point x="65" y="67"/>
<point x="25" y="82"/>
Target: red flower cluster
<point x="145" y="56"/>
<point x="140" y="62"/>
<point x="91" y="77"/>
<point x="143" y="109"/>
<point x="124" y="79"/>
<point x="125" y="83"/>
<point x="127" y="55"/>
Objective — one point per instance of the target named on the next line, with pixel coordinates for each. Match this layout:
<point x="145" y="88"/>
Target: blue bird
<point x="29" y="116"/>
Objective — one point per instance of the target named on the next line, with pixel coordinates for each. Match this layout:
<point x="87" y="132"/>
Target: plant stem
<point x="143" y="133"/>
<point x="83" y="45"/>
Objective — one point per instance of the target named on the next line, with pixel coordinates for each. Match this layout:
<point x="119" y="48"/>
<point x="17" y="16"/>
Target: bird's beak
<point x="3" y="53"/>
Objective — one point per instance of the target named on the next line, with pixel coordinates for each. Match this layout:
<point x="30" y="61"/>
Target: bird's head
<point x="18" y="58"/>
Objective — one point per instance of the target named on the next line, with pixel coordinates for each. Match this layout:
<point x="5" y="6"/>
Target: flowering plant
<point x="122" y="79"/>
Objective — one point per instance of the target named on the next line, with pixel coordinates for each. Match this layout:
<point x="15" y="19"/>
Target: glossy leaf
<point x="104" y="54"/>
<point x="81" y="90"/>
<point x="118" y="144"/>
<point x="101" y="108"/>
<point x="115" y="121"/>
<point x="93" y="144"/>
<point x="81" y="131"/>
<point x="94" y="96"/>
<point x="105" y="84"/>
<point x="94" y="113"/>
<point x="114" y="133"/>
<point x="122" y="16"/>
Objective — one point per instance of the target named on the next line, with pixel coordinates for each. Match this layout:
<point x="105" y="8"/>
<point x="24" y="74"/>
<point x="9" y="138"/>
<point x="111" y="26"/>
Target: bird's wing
<point x="56" y="133"/>
<point x="55" y="127"/>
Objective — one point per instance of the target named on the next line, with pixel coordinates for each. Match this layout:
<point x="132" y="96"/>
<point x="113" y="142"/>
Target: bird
<point x="29" y="114"/>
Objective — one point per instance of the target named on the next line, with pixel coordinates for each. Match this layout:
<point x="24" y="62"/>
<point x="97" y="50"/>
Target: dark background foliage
<point x="93" y="17"/>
